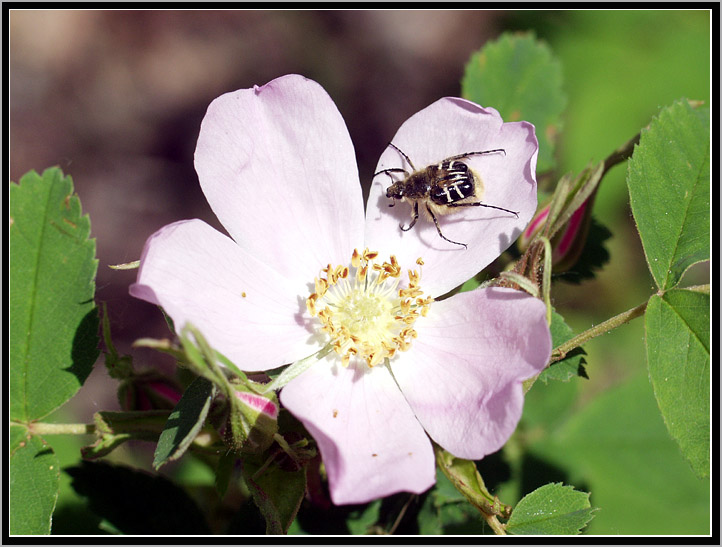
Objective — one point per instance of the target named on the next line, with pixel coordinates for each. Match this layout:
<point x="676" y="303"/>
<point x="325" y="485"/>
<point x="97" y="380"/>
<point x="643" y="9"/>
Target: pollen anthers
<point x="363" y="310"/>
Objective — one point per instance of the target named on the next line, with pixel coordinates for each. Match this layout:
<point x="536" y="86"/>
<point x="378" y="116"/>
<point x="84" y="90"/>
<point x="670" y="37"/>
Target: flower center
<point x="364" y="311"/>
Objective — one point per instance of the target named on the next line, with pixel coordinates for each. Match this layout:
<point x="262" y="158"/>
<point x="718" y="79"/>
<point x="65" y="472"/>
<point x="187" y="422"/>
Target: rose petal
<point x="370" y="441"/>
<point x="247" y="311"/>
<point x="278" y="168"/>
<point x="450" y="127"/>
<point x="463" y="374"/>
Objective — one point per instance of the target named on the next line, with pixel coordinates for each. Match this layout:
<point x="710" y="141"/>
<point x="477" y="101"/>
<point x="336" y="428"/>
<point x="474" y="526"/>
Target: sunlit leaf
<point x="519" y="76"/>
<point x="54" y="327"/>
<point x="552" y="509"/>
<point x="678" y="333"/>
<point x="34" y="479"/>
<point x="669" y="191"/>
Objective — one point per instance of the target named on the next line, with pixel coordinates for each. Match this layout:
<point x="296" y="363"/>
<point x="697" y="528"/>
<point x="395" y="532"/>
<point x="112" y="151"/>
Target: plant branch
<point x="622" y="153"/>
<point x="618" y="320"/>
<point x="495" y="525"/>
<point x="625" y="317"/>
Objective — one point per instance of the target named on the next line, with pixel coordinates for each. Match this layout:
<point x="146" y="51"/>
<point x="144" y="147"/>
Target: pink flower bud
<point x="568" y="243"/>
<point x="536" y="224"/>
<point x="259" y="403"/>
<point x="253" y="421"/>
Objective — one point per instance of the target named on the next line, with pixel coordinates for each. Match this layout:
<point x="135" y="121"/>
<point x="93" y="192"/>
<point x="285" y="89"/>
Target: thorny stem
<point x="625" y="317"/>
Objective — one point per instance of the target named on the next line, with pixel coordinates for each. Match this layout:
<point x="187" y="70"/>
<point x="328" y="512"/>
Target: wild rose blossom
<point x="304" y="269"/>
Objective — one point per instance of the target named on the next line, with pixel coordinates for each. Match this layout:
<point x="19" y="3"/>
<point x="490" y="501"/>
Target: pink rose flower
<point x="300" y="273"/>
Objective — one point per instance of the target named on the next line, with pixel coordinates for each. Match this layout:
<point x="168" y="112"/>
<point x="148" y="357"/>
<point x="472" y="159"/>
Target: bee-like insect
<point x="441" y="188"/>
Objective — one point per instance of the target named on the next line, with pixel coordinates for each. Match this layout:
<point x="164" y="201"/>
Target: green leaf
<point x="71" y="516"/>
<point x="677" y="326"/>
<point x="551" y="509"/>
<point x="573" y="364"/>
<point x="224" y="472"/>
<point x="184" y="422"/>
<point x="519" y="76"/>
<point x="428" y="518"/>
<point x="669" y="190"/>
<point x="34" y="480"/>
<point x="618" y="447"/>
<point x="359" y="522"/>
<point x="135" y="502"/>
<point x="277" y="493"/>
<point x="54" y="327"/>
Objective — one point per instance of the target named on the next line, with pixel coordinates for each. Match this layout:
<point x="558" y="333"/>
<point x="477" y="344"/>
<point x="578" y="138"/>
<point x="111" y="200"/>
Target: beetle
<point x="440" y="187"/>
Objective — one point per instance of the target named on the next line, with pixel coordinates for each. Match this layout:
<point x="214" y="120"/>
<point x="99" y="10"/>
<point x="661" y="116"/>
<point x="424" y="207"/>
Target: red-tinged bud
<point x="253" y="421"/>
<point x="259" y="403"/>
<point x="149" y="391"/>
<point x="536" y="224"/>
<point x="568" y="245"/>
<point x="569" y="242"/>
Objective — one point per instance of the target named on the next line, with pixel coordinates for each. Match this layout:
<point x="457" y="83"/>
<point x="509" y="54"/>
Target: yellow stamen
<point x="366" y="315"/>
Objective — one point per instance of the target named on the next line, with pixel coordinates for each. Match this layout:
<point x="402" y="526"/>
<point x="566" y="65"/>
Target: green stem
<point x="495" y="525"/>
<point x="625" y="317"/>
<point x="622" y="153"/>
<point x="295" y="369"/>
<point x="42" y="428"/>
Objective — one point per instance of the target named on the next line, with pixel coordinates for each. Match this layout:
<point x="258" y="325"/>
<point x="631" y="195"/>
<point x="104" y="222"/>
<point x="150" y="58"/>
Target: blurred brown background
<point x="115" y="98"/>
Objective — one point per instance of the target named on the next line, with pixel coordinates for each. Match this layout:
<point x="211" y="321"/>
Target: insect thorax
<point x="416" y="186"/>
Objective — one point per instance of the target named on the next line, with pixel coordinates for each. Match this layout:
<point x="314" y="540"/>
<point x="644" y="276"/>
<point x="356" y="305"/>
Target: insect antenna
<point x="481" y="153"/>
<point x="479" y="204"/>
<point x="392" y="145"/>
<point x="392" y="170"/>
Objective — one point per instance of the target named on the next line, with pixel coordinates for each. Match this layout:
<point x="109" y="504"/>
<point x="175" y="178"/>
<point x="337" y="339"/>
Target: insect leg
<point x="479" y="204"/>
<point x="438" y="229"/>
<point x="413" y="221"/>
